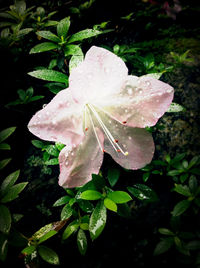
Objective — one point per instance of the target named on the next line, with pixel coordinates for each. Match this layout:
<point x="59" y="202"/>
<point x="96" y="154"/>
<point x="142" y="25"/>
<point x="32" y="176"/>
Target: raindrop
<point x="110" y="121"/>
<point x="130" y="91"/>
<point x="129" y="137"/>
<point x="66" y="163"/>
<point x="44" y="105"/>
<point x="126" y="111"/>
<point x="148" y="83"/>
<point x="140" y="91"/>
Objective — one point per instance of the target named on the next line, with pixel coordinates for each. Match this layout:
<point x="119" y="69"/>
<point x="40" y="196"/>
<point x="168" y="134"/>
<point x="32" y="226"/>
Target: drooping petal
<point x="59" y="121"/>
<point x="130" y="147"/>
<point x="77" y="164"/>
<point x="140" y="103"/>
<point x="99" y="74"/>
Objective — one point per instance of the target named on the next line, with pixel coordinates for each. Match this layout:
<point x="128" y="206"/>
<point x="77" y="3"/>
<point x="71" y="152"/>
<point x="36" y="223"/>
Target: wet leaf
<point x="97" y="220"/>
<point x="50" y="75"/>
<point x="82" y="242"/>
<point x="45" y="46"/>
<point x="48" y="255"/>
<point x="5" y="219"/>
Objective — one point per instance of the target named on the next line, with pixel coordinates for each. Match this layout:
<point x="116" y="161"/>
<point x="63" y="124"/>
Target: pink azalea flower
<point x="103" y="110"/>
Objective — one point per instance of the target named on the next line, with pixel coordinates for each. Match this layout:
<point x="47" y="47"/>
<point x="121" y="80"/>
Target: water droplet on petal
<point x="44" y="105"/>
<point x="130" y="91"/>
<point x="66" y="163"/>
<point x="148" y="83"/>
<point x="129" y="137"/>
<point x="53" y="122"/>
<point x="126" y="111"/>
<point x="140" y="91"/>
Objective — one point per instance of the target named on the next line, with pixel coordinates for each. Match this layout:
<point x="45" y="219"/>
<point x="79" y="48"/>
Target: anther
<point x="116" y="141"/>
<point x="124" y="122"/>
<point x="86" y="129"/>
<point x="119" y="151"/>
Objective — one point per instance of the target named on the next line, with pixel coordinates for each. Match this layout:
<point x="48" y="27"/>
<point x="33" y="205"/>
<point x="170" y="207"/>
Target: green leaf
<point x="163" y="246"/>
<point x="143" y="192"/>
<point x="85" y="205"/>
<point x="49" y="36"/>
<point x="193" y="161"/>
<point x="84" y="226"/>
<point x="63" y="27"/>
<point x="66" y="212"/>
<point x="178" y="158"/>
<point x="119" y="197"/>
<point x="23" y="32"/>
<point x="50" y="75"/>
<point x="113" y="176"/>
<point x="180" y="207"/>
<point x="82" y="242"/>
<point x="28" y="250"/>
<point x="193" y="245"/>
<point x="38" y="144"/>
<point x="47" y="236"/>
<point x="4" y="134"/>
<point x="193" y="184"/>
<point x="42" y="231"/>
<point x="9" y="181"/>
<point x="184" y="177"/>
<point x="71" y="50"/>
<point x="4" y="146"/>
<point x="3" y="247"/>
<point x="59" y="146"/>
<point x="48" y="255"/>
<point x="174" y="172"/>
<point x="62" y="201"/>
<point x="195" y="171"/>
<point x="98" y="181"/>
<point x="45" y="46"/>
<point x="165" y="231"/>
<point x="71" y="228"/>
<point x="13" y="192"/>
<point x="52" y="150"/>
<point x="109" y="204"/>
<point x="182" y="189"/>
<point x="97" y="220"/>
<point x="5" y="219"/>
<point x="84" y="34"/>
<point x="91" y="195"/>
<point x="145" y="176"/>
<point x="4" y="162"/>
<point x="52" y="162"/>
<point x="75" y="61"/>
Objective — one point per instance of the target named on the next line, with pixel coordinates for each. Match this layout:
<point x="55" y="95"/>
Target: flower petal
<point x="130" y="147"/>
<point x="140" y="103"/>
<point x="60" y="120"/>
<point x="77" y="164"/>
<point x="101" y="72"/>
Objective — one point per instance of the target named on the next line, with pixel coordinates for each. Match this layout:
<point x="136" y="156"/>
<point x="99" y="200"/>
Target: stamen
<point x="107" y="113"/>
<point x="113" y="141"/>
<point x="94" y="130"/>
<point x="124" y="122"/>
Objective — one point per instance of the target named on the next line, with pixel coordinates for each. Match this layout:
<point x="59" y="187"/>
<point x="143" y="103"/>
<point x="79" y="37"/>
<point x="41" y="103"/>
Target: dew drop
<point x="129" y="137"/>
<point x="148" y="83"/>
<point x="140" y="91"/>
<point x="109" y="121"/>
<point x="44" y="105"/>
<point x="126" y="111"/>
<point x="66" y="163"/>
<point x="130" y="91"/>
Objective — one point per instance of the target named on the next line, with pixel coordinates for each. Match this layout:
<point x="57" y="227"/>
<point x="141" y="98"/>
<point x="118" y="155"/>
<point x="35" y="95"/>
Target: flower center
<point x="90" y="111"/>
